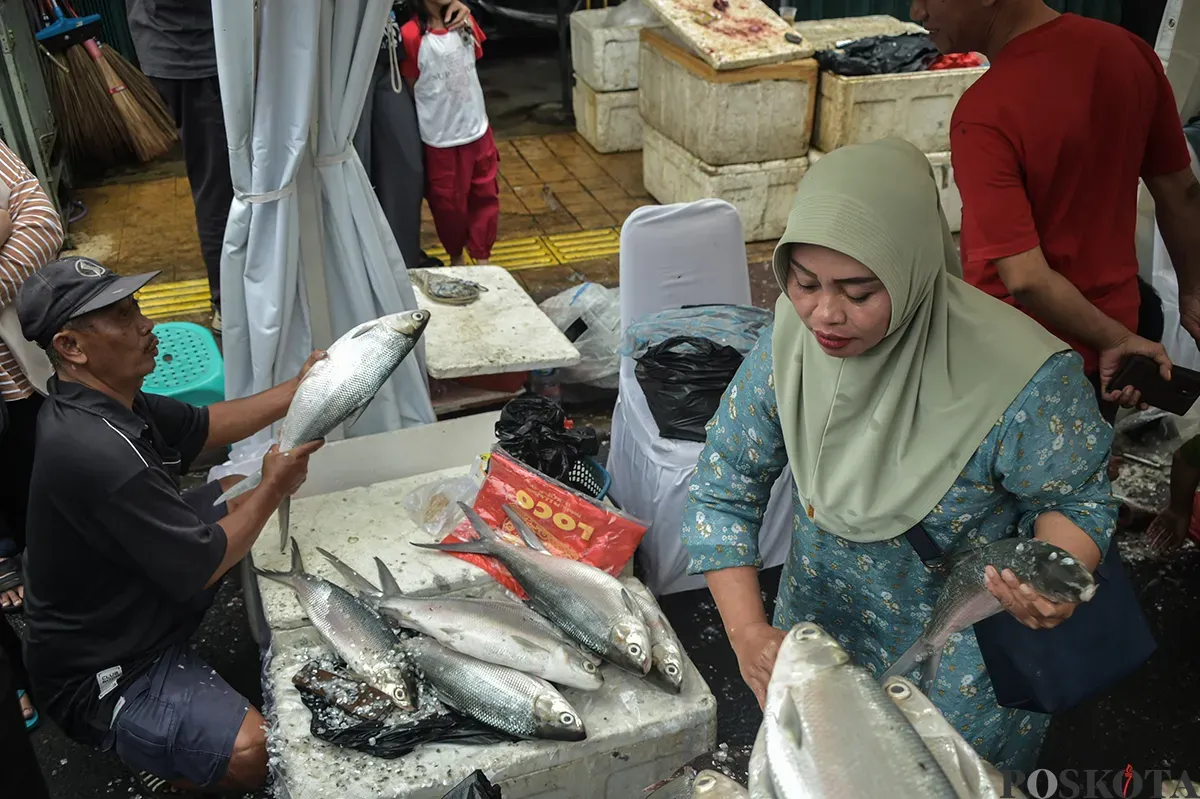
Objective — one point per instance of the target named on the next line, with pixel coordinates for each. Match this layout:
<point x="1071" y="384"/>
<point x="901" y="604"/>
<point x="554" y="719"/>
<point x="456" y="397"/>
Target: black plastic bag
<point x="683" y="379"/>
<point x="333" y="725"/>
<point x="475" y="786"/>
<point x="881" y="55"/>
<point x="533" y="430"/>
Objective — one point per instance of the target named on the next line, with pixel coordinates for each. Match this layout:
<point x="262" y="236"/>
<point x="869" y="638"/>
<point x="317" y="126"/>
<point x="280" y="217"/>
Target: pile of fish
<point x="494" y="660"/>
<point x="339" y="387"/>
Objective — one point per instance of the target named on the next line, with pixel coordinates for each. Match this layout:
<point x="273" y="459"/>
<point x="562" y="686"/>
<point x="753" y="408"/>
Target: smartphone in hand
<point x="1176" y="395"/>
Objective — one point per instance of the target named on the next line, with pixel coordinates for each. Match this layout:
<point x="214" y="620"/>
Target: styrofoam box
<point x="912" y="106"/>
<point x="762" y="192"/>
<point x="606" y="57"/>
<point x="943" y="171"/>
<point x="637" y="735"/>
<point x="609" y="121"/>
<point x="824" y="34"/>
<point x="735" y="117"/>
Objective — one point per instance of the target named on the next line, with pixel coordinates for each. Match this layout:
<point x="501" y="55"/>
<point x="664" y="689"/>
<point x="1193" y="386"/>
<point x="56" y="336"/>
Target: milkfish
<point x="965" y="598"/>
<point x="588" y="604"/>
<point x="338" y="388"/>
<point x="504" y="632"/>
<point x="829" y="730"/>
<point x="354" y="631"/>
<point x="666" y="653"/>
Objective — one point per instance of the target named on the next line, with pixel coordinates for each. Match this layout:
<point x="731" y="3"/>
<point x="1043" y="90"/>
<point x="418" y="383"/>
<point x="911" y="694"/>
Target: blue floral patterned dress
<point x="1049" y="451"/>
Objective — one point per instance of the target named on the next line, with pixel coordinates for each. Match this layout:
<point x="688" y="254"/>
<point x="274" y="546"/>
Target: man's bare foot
<point x="11" y="597"/>
<point x="26" y="707"/>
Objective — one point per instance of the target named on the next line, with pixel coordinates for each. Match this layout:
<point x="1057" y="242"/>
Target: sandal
<point x="11" y="579"/>
<point x="31" y="722"/>
<point x="157" y="786"/>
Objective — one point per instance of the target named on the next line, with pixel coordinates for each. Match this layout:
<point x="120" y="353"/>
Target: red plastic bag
<point x="569" y="524"/>
<point x="957" y="61"/>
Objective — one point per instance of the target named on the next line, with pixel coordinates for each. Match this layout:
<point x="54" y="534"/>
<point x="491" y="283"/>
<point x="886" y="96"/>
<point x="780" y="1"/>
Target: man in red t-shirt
<point x="1047" y="148"/>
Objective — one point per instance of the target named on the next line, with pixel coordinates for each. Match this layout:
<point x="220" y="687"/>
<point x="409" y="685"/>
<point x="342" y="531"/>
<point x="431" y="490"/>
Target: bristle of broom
<point x="150" y="140"/>
<point x="98" y="136"/>
<point x="143" y="90"/>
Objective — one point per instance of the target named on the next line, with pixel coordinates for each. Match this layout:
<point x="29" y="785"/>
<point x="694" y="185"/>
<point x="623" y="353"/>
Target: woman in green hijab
<point x="896" y="394"/>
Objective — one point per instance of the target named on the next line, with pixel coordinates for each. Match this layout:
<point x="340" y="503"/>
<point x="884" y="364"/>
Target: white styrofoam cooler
<point x="609" y="121"/>
<point x="943" y="171"/>
<point x="606" y="57"/>
<point x="746" y="115"/>
<point x="762" y="192"/>
<point x="914" y="106"/>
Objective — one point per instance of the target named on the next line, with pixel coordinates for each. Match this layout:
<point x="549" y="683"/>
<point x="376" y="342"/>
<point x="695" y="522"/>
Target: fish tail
<point x="386" y="581"/>
<point x="917" y="653"/>
<point x="285" y="516"/>
<point x="288" y="576"/>
<point x="481" y="527"/>
<point x="240" y="487"/>
<point x="361" y="583"/>
<point x="527" y="535"/>
<point x="929" y="673"/>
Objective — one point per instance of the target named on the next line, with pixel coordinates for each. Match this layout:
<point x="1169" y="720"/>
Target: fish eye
<point x="400" y="694"/>
<point x="566" y="718"/>
<point x="635" y="650"/>
<point x="589" y="667"/>
<point x="672" y="669"/>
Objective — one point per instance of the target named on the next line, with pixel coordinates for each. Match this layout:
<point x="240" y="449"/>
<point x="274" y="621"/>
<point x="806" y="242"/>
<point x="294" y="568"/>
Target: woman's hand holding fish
<point x="756" y="646"/>
<point x="1027" y="605"/>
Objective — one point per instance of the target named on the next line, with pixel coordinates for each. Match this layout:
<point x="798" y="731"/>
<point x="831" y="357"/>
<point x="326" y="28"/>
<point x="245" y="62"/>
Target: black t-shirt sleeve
<point x="183" y="427"/>
<point x="160" y="534"/>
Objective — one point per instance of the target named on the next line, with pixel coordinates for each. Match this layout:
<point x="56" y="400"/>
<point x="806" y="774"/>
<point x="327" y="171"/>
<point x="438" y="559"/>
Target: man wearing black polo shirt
<point x="121" y="566"/>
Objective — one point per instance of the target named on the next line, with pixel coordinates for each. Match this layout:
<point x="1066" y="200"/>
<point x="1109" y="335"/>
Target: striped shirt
<point x="36" y="237"/>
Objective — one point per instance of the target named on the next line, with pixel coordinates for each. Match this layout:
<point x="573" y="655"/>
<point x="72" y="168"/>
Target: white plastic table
<point x="502" y="331"/>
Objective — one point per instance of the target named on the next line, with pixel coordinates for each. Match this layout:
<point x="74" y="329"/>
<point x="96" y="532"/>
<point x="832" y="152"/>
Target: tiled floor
<point x="551" y="187"/>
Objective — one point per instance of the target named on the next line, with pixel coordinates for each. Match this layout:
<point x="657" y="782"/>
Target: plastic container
<point x="189" y="366"/>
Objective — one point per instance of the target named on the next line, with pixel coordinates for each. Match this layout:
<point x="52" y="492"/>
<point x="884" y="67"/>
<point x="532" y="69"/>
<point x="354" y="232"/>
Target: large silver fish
<point x="503" y="632"/>
<point x="338" y="388"/>
<point x="355" y="632"/>
<point x="965" y="599"/>
<point x="972" y="776"/>
<point x="829" y="730"/>
<point x="507" y="699"/>
<point x="666" y="653"/>
<point x="587" y="603"/>
<point x="704" y="784"/>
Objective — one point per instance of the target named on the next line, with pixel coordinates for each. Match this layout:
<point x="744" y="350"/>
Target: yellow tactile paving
<point x="584" y="245"/>
<point x="537" y="251"/>
<point x="161" y="300"/>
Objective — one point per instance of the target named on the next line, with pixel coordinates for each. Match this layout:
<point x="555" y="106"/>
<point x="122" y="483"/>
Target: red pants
<point x="464" y="195"/>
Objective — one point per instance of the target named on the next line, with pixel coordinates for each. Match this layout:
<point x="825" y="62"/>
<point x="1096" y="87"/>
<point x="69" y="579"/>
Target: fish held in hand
<point x="352" y="630"/>
<point x="965" y="599"/>
<point x="829" y="729"/>
<point x="338" y="388"/>
<point x="588" y="604"/>
<point x="504" y="632"/>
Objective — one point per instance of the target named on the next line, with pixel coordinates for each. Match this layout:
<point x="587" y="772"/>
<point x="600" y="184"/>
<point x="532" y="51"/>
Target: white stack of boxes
<point x="605" y="60"/>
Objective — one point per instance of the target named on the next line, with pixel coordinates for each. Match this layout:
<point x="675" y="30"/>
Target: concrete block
<point x="761" y="192"/>
<point x="609" y="121"/>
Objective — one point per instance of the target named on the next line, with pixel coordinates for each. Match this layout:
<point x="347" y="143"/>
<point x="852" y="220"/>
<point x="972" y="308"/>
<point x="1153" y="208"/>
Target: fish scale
<point x="505" y="698"/>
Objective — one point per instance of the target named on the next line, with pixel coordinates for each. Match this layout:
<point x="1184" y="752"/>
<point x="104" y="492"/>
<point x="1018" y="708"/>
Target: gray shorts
<point x="179" y="720"/>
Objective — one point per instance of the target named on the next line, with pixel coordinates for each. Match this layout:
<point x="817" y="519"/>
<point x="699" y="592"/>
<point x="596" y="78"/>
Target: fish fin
<point x="528" y="645"/>
<point x="359" y="330"/>
<point x="929" y="673"/>
<point x="948" y="563"/>
<point x="386" y="581"/>
<point x="362" y="584"/>
<point x="285" y="517"/>
<point x="349" y="421"/>
<point x="473" y="547"/>
<point x="915" y="654"/>
<point x="527" y="535"/>
<point x="286" y="577"/>
<point x="481" y="527"/>
<point x="239" y="488"/>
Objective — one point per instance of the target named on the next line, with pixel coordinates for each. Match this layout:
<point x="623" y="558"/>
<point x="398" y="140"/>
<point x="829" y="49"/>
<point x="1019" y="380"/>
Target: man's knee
<point x="248" y="762"/>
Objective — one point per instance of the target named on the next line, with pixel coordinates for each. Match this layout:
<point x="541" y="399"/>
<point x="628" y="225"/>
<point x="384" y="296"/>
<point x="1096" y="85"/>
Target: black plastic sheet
<point x="475" y="786"/>
<point x="683" y="379"/>
<point x="881" y="55"/>
<point x="533" y="430"/>
<point x="388" y="740"/>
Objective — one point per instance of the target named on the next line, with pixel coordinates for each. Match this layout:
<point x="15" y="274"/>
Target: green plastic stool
<point x="189" y="366"/>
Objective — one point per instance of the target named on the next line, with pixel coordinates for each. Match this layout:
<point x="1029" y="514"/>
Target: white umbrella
<point x="302" y="265"/>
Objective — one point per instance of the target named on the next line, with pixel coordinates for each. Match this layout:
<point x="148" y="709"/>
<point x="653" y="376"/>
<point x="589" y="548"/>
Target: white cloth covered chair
<point x="672" y="256"/>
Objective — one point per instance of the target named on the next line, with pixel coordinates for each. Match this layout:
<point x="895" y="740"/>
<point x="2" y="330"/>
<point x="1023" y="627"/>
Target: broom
<point x="136" y="81"/>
